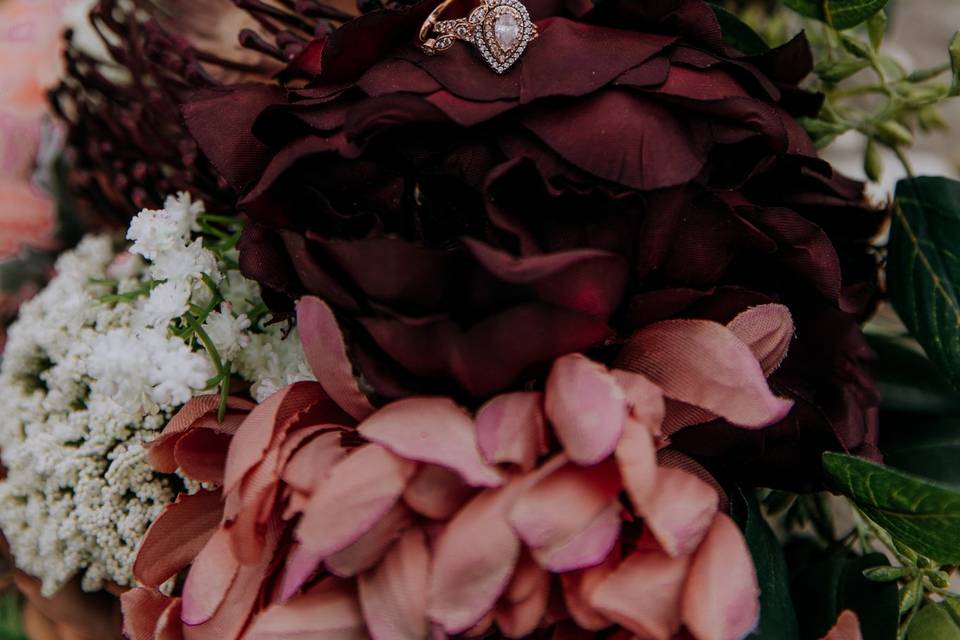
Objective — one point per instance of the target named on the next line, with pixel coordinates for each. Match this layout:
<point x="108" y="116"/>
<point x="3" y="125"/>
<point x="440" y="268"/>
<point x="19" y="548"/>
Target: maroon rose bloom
<point x="468" y="228"/>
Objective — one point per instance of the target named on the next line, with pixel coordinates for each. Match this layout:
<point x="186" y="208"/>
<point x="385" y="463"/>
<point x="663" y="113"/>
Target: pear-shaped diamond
<point x="507" y="31"/>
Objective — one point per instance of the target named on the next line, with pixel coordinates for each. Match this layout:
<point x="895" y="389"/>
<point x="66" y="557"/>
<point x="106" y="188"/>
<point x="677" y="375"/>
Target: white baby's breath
<point x="94" y="368"/>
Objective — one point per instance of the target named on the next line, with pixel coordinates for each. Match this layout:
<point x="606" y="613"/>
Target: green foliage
<point x="936" y="621"/>
<point x="778" y="621"/>
<point x="923" y="271"/>
<point x="11" y="618"/>
<point x="920" y="513"/>
<point x="840" y="14"/>
<point x="737" y="33"/>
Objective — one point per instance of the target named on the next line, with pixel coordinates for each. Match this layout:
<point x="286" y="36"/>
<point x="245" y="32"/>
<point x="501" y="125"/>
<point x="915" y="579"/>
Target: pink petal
<point x="329" y="611"/>
<point x="359" y="490"/>
<point x="393" y="596"/>
<point x="256" y="434"/>
<point x="767" y="330"/>
<point x="680" y="510"/>
<point x="371" y="547"/>
<point x="142" y="610"/>
<point x="705" y="364"/>
<point x="510" y="429"/>
<point x="326" y="352"/>
<point x="310" y="464"/>
<point x="586" y="407"/>
<point x="202" y="455"/>
<point x="177" y="536"/>
<point x="433" y="430"/>
<point x="645" y="402"/>
<point x="847" y="627"/>
<point x="570" y="518"/>
<point x="525" y="600"/>
<point x="644" y="594"/>
<point x="210" y="577"/>
<point x="722" y="600"/>
<point x="436" y="492"/>
<point x="578" y="588"/>
<point x="473" y="560"/>
<point x="169" y="626"/>
<point x="636" y="457"/>
<point x="161" y="450"/>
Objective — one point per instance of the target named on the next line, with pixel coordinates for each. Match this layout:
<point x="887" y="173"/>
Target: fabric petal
<point x="326" y="352"/>
<point x="433" y="430"/>
<point x="847" y="627"/>
<point x="644" y="594"/>
<point x="705" y="364"/>
<point x="370" y="548"/>
<point x="393" y="596"/>
<point x="722" y="599"/>
<point x="436" y="492"/>
<point x="358" y="491"/>
<point x="210" y="577"/>
<point x="586" y="407"/>
<point x="680" y="510"/>
<point x="329" y="611"/>
<point x="177" y="536"/>
<point x="142" y="609"/>
<point x="570" y="518"/>
<point x="511" y="429"/>
<point x="524" y="603"/>
<point x="767" y="330"/>
<point x="636" y="457"/>
<point x="578" y="587"/>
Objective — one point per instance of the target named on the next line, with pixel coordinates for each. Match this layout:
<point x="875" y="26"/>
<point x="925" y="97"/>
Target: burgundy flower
<point x="467" y="228"/>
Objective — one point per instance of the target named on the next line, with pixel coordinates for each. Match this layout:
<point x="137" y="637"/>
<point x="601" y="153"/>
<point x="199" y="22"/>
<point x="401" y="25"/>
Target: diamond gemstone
<point x="507" y="31"/>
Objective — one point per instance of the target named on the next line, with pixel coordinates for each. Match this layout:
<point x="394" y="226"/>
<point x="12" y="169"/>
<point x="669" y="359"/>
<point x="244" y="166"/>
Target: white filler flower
<point x="94" y="368"/>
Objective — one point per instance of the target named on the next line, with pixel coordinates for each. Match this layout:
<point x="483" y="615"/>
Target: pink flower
<point x="562" y="509"/>
<point x="30" y="52"/>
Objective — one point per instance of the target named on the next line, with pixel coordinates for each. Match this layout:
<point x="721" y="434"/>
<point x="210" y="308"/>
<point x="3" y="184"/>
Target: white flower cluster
<point x="93" y="369"/>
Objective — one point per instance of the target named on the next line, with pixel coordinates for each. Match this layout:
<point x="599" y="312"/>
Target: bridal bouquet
<point x="531" y="319"/>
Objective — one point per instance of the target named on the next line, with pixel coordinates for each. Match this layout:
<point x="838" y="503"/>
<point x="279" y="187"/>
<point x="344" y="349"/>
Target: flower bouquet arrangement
<point x="411" y="320"/>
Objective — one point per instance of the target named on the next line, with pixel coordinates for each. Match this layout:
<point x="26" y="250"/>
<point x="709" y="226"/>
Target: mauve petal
<point x="326" y="352"/>
<point x="177" y="536"/>
<point x="432" y="430"/>
<point x="210" y="577"/>
<point x="586" y="407"/>
<point x="644" y="594"/>
<point x="722" y="599"/>
<point x="569" y="518"/>
<point x="255" y="435"/>
<point x="768" y="330"/>
<point x="679" y="511"/>
<point x="301" y="565"/>
<point x="393" y="596"/>
<point x="847" y="627"/>
<point x="161" y="450"/>
<point x="310" y="464"/>
<point x="705" y="364"/>
<point x="436" y="492"/>
<point x="202" y="455"/>
<point x="578" y="587"/>
<point x="645" y="403"/>
<point x="366" y="552"/>
<point x="636" y="457"/>
<point x="653" y="149"/>
<point x="511" y="429"/>
<point x="358" y="491"/>
<point x="524" y="603"/>
<point x="142" y="609"/>
<point x="329" y="611"/>
<point x="169" y="626"/>
<point x="238" y="603"/>
<point x="473" y="560"/>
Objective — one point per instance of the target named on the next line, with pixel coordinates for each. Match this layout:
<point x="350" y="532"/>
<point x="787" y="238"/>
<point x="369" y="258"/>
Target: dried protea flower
<point x="127" y="145"/>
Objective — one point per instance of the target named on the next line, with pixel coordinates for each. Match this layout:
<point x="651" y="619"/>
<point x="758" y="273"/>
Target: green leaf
<point x="909" y="382"/>
<point x="936" y="621"/>
<point x="923" y="269"/>
<point x="840" y="14"/>
<point x="778" y="621"/>
<point x="827" y="584"/>
<point x="739" y="34"/>
<point x="923" y="514"/>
